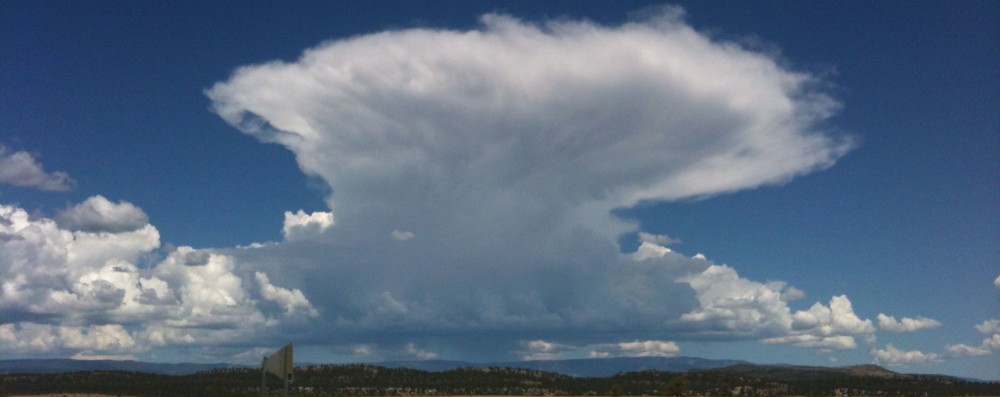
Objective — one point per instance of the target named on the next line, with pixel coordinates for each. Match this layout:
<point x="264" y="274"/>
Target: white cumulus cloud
<point x="836" y="318"/>
<point x="732" y="304"/>
<point x="992" y="328"/>
<point x="401" y="236"/>
<point x="21" y="169"/>
<point x="77" y="287"/>
<point x="98" y="214"/>
<point x="832" y="326"/>
<point x="648" y="250"/>
<point x="906" y="324"/>
<point x="413" y="352"/>
<point x="92" y="356"/>
<point x="542" y="350"/>
<point x="547" y="350"/>
<point x="736" y="306"/>
<point x="893" y="355"/>
<point x="49" y="270"/>
<point x="299" y="225"/>
<point x="822" y="342"/>
<point x="992" y="342"/>
<point x="291" y="300"/>
<point x="645" y="348"/>
<point x="989" y="326"/>
<point x="43" y="338"/>
<point x="961" y="350"/>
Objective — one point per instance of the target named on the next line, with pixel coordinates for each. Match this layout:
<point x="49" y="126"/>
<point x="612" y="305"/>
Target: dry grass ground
<point x="70" y="395"/>
<point x="115" y="395"/>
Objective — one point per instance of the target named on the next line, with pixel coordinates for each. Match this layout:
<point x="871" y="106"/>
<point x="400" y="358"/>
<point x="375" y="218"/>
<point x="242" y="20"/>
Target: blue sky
<point x="497" y="181"/>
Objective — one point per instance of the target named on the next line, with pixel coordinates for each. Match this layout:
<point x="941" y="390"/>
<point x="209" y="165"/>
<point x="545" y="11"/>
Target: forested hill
<point x="369" y="380"/>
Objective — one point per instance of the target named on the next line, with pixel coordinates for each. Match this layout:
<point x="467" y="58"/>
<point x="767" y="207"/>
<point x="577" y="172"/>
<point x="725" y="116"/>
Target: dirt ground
<point x="70" y="395"/>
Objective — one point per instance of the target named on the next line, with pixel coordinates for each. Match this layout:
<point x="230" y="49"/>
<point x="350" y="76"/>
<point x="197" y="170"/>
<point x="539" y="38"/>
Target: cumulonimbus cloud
<point x="473" y="178"/>
<point x="506" y="148"/>
<point x="525" y="118"/>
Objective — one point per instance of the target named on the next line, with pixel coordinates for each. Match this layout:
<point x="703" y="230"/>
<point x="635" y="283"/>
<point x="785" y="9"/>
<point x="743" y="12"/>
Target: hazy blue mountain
<point x="36" y="366"/>
<point x="591" y="367"/>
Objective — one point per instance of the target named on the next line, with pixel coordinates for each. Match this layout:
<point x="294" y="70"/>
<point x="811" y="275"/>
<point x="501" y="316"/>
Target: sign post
<point x="280" y="363"/>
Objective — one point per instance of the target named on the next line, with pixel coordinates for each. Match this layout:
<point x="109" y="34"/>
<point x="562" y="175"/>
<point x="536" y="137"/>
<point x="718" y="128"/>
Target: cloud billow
<point x="75" y="287"/>
<point x="98" y="214"/>
<point x="568" y="112"/>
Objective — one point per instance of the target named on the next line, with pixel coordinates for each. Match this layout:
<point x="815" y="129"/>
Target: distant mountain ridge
<point x="61" y="365"/>
<point x="800" y="372"/>
<point x="586" y="367"/>
<point x="805" y="373"/>
<point x="593" y="367"/>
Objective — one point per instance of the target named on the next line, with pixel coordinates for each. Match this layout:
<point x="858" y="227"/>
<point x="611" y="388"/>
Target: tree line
<point x="370" y="380"/>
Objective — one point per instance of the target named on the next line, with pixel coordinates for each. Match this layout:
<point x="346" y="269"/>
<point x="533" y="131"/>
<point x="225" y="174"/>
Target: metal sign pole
<point x="280" y="363"/>
<point x="263" y="376"/>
